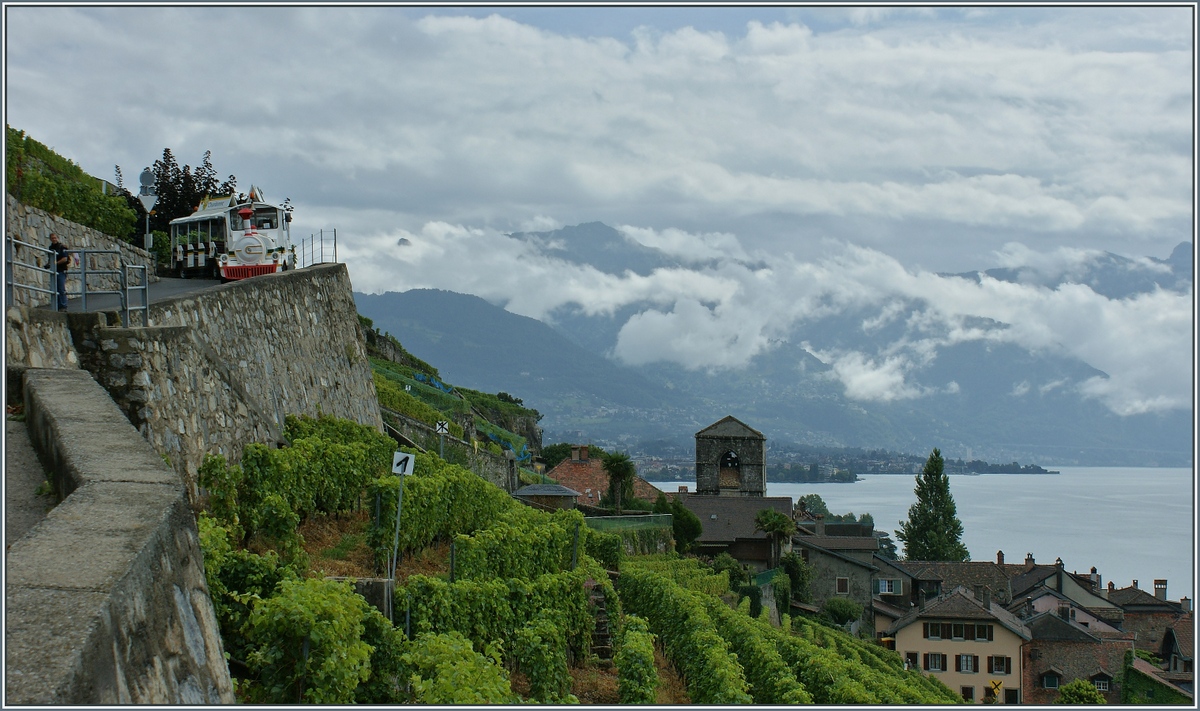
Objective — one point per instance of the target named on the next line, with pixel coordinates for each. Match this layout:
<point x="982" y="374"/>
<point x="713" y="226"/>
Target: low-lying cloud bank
<point x="711" y="313"/>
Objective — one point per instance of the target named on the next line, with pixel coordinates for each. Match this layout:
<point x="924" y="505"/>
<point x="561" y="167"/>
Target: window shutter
<point x="1008" y="665"/>
<point x="958" y="662"/>
<point x="975" y="664"/>
<point x="991" y="665"/>
<point x="944" y="667"/>
<point x="989" y="629"/>
<point x="925" y="660"/>
<point x="925" y="630"/>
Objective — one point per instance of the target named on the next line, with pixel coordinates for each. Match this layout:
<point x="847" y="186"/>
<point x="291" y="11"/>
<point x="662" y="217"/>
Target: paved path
<point x="164" y="288"/>
<point x="23" y="476"/>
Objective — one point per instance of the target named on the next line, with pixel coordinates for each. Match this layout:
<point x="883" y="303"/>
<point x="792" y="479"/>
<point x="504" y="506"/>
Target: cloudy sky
<point x="840" y="156"/>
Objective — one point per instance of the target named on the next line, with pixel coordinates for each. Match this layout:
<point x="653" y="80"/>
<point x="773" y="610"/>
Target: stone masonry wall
<point x="106" y="600"/>
<point x="223" y="367"/>
<point x="32" y="225"/>
<point x="38" y="339"/>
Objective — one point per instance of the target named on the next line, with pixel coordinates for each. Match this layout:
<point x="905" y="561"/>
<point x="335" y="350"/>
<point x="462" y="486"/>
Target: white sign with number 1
<point x="402" y="463"/>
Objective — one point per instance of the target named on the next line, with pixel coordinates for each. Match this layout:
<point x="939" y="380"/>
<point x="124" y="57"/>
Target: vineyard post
<point x="575" y="547"/>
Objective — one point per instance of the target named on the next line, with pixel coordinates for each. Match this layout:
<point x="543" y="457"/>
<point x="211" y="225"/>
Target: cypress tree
<point x="933" y="531"/>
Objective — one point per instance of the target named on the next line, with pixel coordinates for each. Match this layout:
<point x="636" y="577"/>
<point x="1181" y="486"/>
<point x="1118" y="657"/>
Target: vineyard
<point x="518" y="600"/>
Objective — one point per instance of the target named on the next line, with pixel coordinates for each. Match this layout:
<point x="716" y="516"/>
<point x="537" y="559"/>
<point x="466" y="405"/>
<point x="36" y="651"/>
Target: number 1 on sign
<point x="401" y="463"/>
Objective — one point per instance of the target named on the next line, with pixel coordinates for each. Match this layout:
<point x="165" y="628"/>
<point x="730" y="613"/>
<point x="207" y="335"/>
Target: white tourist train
<point x="233" y="240"/>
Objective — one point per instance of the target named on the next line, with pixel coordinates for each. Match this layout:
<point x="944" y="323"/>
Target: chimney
<point x="979" y="593"/>
<point x="1029" y="561"/>
<point x="1160" y="589"/>
<point x="1185" y="604"/>
<point x="683" y="489"/>
<point x="999" y="557"/>
<point x="583" y="452"/>
<point x="1058" y="573"/>
<point x="921" y="600"/>
<point x="987" y="598"/>
<point x="1028" y="606"/>
<point x="575" y="453"/>
<point x="1095" y="577"/>
<point x="1135" y="585"/>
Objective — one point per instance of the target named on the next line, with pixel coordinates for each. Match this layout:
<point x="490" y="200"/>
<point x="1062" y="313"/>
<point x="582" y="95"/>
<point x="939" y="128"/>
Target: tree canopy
<point x="933" y="530"/>
<point x="621" y="472"/>
<point x="777" y="527"/>
<point x="1080" y="691"/>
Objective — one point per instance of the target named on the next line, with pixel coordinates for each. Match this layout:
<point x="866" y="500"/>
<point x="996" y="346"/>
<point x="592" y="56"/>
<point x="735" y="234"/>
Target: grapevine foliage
<point x="637" y="677"/>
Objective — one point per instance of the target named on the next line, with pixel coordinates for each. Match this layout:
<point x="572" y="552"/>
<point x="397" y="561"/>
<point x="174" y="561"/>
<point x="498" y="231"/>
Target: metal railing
<point x="94" y="265"/>
<point x="319" y="248"/>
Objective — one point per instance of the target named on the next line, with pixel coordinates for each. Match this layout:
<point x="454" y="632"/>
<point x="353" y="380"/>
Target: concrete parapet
<point x="106" y="597"/>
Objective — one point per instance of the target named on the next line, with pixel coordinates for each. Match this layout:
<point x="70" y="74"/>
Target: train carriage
<point x="232" y="240"/>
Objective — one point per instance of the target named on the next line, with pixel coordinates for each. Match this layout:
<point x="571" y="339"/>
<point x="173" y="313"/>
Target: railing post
<point x="124" y="292"/>
<point x="8" y="269"/>
<point x="83" y="280"/>
<point x="335" y="245"/>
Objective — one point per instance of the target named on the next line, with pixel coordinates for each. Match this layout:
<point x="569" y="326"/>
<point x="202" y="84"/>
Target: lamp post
<point x="148" y="198"/>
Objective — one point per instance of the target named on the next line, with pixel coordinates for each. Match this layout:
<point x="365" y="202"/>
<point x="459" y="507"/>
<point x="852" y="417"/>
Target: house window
<point x="889" y="587"/>
<point x="983" y="633"/>
<point x="957" y="630"/>
<point x="932" y="630"/>
<point x="843" y="586"/>
<point x="968" y="693"/>
<point x="1050" y="680"/>
<point x="1101" y="682"/>
<point x="967" y="663"/>
<point x="935" y="662"/>
<point x="999" y="665"/>
<point x="911" y="661"/>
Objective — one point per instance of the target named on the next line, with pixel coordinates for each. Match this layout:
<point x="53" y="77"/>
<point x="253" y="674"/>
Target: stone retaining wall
<point x="223" y="367"/>
<point x="38" y="338"/>
<point x="106" y="601"/>
<point x="499" y="470"/>
<point x="33" y="225"/>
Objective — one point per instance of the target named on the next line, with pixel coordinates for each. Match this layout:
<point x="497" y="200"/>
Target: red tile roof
<point x="588" y="475"/>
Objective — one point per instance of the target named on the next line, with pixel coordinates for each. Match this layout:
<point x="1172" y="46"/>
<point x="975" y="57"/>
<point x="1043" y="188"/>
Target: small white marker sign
<point x="442" y="427"/>
<point x="402" y="463"/>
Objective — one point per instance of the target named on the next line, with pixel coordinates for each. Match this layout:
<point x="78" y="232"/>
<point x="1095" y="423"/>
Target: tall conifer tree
<point x="933" y="531"/>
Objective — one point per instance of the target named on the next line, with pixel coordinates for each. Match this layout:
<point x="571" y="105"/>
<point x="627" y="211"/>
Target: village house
<point x="1178" y="652"/>
<point x="727" y="525"/>
<point x="1149" y="616"/>
<point x="971" y="645"/>
<point x="587" y="477"/>
<point x="841" y="556"/>
<point x="1068" y="643"/>
<point x="547" y="497"/>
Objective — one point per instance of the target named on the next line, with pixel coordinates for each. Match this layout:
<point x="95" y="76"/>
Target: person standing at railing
<point x="61" y="261"/>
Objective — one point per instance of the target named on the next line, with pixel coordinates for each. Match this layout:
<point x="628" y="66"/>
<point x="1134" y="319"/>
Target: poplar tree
<point x="933" y="531"/>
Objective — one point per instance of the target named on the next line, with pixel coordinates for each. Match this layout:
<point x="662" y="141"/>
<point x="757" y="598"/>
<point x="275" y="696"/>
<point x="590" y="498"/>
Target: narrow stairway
<point x="602" y="637"/>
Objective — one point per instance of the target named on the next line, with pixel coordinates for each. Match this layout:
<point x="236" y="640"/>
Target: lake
<point x="1130" y="523"/>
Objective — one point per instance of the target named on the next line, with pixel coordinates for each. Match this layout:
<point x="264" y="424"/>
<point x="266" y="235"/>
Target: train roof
<point x="219" y="204"/>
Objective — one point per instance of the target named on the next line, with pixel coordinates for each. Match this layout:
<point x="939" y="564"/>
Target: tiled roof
<point x="730" y="426"/>
<point x="1136" y="597"/>
<point x="727" y="518"/>
<point x="967" y="574"/>
<point x="545" y="490"/>
<point x="1030" y="578"/>
<point x="842" y="543"/>
<point x="962" y="605"/>
<point x="583" y="475"/>
<point x="807" y="542"/>
<point x="1184" y="629"/>
<point x="887" y="609"/>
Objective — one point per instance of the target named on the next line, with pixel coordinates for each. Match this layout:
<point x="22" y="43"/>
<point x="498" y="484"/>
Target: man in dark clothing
<point x="61" y="261"/>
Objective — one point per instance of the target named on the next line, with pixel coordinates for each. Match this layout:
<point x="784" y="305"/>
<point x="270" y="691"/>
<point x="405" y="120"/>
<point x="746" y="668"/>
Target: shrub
<point x="842" y="610"/>
<point x="445" y="669"/>
<point x="306" y="644"/>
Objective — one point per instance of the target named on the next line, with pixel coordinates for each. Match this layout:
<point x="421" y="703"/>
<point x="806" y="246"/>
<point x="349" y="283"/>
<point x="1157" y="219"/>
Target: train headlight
<point x="224" y="259"/>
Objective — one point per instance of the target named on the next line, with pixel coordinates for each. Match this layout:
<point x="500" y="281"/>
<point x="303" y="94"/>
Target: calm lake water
<point x="1130" y="523"/>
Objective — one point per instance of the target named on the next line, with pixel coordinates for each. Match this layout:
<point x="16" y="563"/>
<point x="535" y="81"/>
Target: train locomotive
<point x="230" y="240"/>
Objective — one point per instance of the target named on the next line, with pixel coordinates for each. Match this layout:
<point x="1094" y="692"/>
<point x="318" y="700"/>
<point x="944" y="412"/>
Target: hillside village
<point x="506" y="570"/>
<point x="1035" y="626"/>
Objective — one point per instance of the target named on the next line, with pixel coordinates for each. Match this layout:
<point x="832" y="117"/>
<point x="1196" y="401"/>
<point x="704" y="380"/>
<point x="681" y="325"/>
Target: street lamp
<point x="148" y="198"/>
